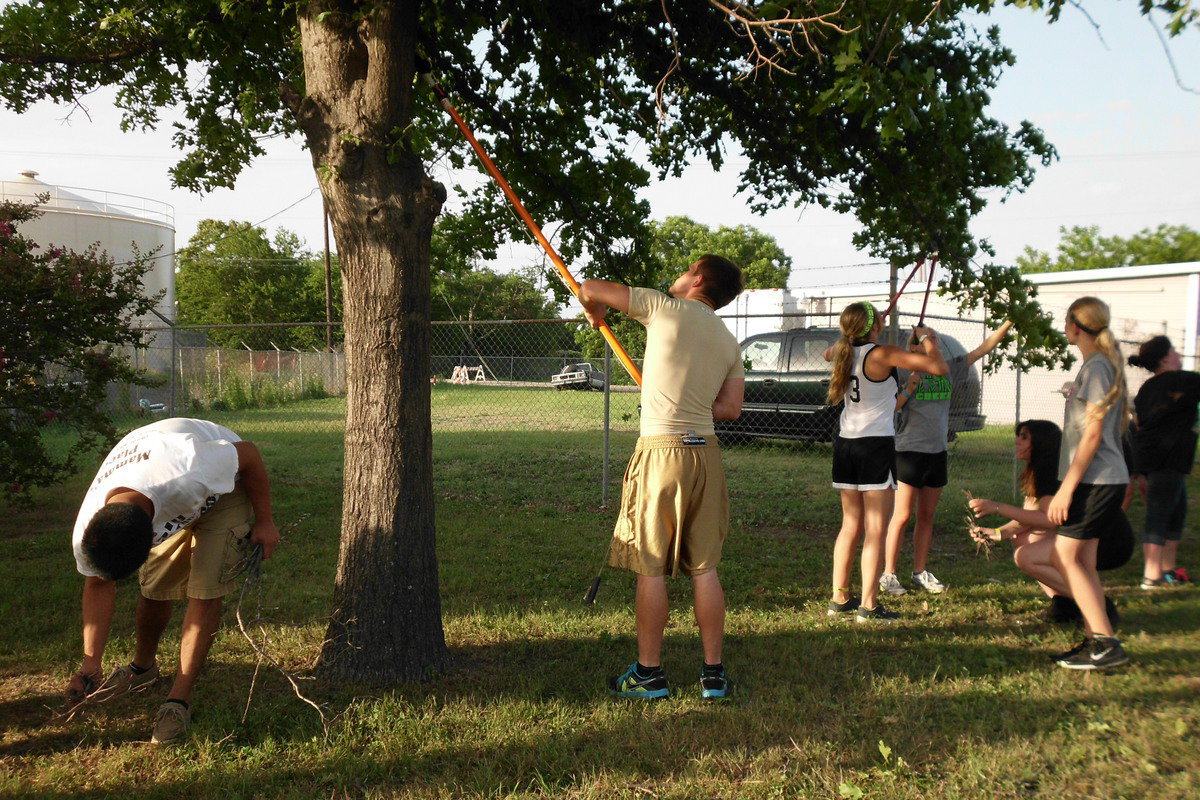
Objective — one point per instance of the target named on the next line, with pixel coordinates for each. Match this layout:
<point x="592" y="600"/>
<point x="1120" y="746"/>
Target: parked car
<point x="579" y="376"/>
<point x="787" y="379"/>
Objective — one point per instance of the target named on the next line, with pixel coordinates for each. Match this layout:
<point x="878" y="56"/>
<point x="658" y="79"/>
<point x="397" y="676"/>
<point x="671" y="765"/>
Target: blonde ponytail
<point x="856" y="322"/>
<point x="1091" y="316"/>
<point x="1119" y="393"/>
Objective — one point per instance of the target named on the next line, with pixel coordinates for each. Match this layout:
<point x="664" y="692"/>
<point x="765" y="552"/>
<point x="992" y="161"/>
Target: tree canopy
<point x="1083" y="247"/>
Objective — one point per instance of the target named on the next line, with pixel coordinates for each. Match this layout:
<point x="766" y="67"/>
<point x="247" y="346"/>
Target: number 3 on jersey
<point x="853" y="393"/>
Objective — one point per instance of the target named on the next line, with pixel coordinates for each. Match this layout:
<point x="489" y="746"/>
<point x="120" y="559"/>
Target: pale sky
<point x="1127" y="134"/>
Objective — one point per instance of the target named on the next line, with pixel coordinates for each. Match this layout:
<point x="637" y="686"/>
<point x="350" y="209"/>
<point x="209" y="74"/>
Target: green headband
<point x="870" y="319"/>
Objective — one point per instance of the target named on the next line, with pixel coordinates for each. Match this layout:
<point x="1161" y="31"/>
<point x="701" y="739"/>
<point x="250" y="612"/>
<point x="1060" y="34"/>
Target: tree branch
<point x="1170" y="58"/>
<point x="113" y="57"/>
<point x="1095" y="25"/>
<point x="772" y="39"/>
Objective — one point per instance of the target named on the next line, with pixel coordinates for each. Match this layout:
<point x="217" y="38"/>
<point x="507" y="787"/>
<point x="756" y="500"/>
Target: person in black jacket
<point x="1164" y="447"/>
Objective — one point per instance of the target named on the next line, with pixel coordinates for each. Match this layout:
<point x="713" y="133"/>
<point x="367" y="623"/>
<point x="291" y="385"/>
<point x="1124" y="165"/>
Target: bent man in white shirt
<point x="181" y="502"/>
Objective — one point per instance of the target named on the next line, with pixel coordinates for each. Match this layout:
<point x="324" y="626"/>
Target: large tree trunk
<point x="386" y="623"/>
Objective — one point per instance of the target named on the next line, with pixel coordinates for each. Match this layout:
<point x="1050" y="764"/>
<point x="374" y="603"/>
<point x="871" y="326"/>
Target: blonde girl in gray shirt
<point x="1094" y="477"/>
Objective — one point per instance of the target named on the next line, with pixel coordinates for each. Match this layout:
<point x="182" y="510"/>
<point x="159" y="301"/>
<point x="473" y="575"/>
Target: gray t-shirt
<point x="923" y="423"/>
<point x="1091" y="384"/>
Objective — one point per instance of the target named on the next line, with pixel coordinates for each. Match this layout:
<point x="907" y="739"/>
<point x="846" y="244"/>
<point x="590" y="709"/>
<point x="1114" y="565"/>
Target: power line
<point x="228" y="236"/>
<point x="840" y="266"/>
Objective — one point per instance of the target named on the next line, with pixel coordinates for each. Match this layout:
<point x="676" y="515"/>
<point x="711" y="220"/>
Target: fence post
<point x="183" y="390"/>
<point x="607" y="427"/>
<point x="173" y="356"/>
<point x="300" y="358"/>
<point x="278" y="374"/>
<point x="251" y="371"/>
<point x="1019" y="371"/>
<point x="220" y="390"/>
<point x="1017" y="414"/>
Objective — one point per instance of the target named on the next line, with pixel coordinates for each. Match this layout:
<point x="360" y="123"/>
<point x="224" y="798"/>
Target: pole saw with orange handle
<point x="425" y="68"/>
<point x="567" y="277"/>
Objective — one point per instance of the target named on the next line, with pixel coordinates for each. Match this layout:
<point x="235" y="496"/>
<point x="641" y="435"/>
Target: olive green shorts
<point x="674" y="508"/>
<point x="193" y="562"/>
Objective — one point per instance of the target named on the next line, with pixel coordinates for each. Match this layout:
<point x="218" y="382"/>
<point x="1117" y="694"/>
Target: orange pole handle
<point x="567" y="277"/>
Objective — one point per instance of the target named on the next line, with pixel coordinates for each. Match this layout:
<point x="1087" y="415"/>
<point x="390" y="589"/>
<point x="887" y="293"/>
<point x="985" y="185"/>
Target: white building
<point x="1145" y="301"/>
<point x="121" y="224"/>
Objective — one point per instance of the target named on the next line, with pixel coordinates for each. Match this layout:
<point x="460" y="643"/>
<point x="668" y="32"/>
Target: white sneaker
<point x="889" y="583"/>
<point x="927" y="582"/>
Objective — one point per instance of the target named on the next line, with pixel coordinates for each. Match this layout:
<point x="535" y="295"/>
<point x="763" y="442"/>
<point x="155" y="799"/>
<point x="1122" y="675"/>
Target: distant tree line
<point x="1082" y="247"/>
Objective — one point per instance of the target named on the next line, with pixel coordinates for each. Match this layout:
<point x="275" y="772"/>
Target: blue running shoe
<point x="636" y="687"/>
<point x="714" y="685"/>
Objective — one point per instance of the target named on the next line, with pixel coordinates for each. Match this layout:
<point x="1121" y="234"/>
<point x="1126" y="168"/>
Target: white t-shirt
<point x="182" y="465"/>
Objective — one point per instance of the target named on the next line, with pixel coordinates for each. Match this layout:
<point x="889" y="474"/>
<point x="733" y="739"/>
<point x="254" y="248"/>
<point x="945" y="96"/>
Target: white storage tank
<point x="78" y="218"/>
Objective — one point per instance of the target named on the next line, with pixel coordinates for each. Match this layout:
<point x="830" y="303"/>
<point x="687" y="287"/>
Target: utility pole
<point x="328" y="282"/>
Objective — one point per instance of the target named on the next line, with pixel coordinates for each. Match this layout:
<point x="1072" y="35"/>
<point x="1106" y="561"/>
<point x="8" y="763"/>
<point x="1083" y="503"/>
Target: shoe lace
<point x="173" y="710"/>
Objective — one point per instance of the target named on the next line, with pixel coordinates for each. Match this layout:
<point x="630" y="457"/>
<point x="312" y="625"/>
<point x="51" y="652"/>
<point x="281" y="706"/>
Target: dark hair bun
<point x="1134" y="361"/>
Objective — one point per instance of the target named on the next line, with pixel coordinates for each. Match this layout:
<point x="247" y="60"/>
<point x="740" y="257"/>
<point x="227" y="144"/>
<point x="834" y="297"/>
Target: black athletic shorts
<point x="865" y="464"/>
<point x="922" y="470"/>
<point x="1095" y="513"/>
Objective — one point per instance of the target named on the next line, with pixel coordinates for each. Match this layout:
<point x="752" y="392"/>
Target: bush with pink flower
<point x="64" y="315"/>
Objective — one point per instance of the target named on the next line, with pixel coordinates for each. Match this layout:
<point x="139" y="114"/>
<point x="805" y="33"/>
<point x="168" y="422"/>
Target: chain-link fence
<point x="503" y="377"/>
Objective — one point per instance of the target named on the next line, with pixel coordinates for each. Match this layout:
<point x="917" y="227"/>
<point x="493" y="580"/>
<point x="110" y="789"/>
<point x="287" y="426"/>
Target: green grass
<point x="957" y="701"/>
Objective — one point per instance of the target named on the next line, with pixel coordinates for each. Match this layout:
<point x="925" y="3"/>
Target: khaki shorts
<point x="192" y="562"/>
<point x="674" y="508"/>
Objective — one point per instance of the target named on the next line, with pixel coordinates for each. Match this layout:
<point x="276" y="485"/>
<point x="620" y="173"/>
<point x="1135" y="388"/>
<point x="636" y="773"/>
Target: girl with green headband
<point x="864" y="450"/>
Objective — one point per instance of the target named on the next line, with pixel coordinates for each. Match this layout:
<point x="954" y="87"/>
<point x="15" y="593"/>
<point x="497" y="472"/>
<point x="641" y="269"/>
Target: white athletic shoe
<point x="889" y="583"/>
<point x="927" y="582"/>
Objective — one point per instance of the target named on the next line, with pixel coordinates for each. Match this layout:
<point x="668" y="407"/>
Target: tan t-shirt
<point x="689" y="354"/>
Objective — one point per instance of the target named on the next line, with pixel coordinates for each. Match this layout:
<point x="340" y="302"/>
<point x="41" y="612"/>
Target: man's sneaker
<point x="170" y="723"/>
<point x="638" y="687"/>
<point x="1074" y="651"/>
<point x="836" y="608"/>
<point x="1062" y="610"/>
<point x="1150" y="584"/>
<point x="124" y="680"/>
<point x="876" y="614"/>
<point x="714" y="685"/>
<point x="1100" y="652"/>
<point x="888" y="582"/>
<point x="927" y="582"/>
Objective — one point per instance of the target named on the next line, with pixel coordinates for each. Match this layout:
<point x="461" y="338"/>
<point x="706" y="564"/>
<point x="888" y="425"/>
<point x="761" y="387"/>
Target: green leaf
<point x="850" y="791"/>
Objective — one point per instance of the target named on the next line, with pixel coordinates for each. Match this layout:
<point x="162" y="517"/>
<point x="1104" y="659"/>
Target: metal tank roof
<point x="26" y="188"/>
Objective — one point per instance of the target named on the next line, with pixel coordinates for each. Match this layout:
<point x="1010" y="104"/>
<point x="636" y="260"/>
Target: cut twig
<point x="251" y="564"/>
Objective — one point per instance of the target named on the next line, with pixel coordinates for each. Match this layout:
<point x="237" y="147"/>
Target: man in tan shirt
<point x="674" y="505"/>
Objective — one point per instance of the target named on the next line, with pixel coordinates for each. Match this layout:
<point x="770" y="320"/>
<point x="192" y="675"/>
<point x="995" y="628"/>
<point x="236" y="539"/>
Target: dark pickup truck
<point x="786" y="381"/>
